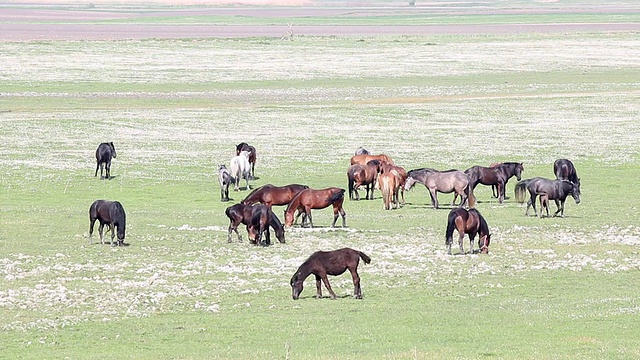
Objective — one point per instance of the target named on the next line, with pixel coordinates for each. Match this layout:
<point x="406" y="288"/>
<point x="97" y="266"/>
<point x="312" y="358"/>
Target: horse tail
<point x="521" y="190"/>
<point x="351" y="183"/>
<point x="451" y="225"/>
<point x="364" y="257"/>
<point x="470" y="197"/>
<point x="336" y="196"/>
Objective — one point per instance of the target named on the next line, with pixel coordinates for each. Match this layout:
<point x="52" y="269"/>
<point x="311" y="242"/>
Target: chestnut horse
<point x="387" y="182"/>
<point x="243" y="146"/>
<point x="273" y="195"/>
<point x="401" y="177"/>
<point x="244" y="214"/>
<point x="363" y="175"/>
<point x="323" y="263"/>
<point x="308" y="199"/>
<point x="364" y="159"/>
<point x="468" y="222"/>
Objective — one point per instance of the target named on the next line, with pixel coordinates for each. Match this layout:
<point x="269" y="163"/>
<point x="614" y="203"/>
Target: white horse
<point x="240" y="168"/>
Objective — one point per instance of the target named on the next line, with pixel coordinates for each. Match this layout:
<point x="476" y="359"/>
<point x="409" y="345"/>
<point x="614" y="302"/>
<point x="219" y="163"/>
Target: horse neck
<point x="304" y="270"/>
<point x="293" y="204"/>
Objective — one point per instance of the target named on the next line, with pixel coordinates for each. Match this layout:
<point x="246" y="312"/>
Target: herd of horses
<point x="372" y="172"/>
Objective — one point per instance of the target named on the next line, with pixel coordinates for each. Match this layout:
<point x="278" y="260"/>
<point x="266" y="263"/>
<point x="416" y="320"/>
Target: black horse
<point x="252" y="217"/>
<point x="497" y="175"/>
<point x="556" y="190"/>
<point x="109" y="213"/>
<point x="104" y="154"/>
<point x="243" y="146"/>
<point x="565" y="170"/>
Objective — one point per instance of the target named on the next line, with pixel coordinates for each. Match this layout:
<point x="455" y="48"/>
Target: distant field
<point x="175" y="108"/>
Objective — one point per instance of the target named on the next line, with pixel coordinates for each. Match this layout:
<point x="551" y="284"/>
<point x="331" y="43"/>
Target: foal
<point x="323" y="263"/>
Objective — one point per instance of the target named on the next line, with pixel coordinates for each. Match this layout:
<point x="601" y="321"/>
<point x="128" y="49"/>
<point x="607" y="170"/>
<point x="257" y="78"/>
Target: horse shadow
<point x="108" y="178"/>
<point x="115" y="243"/>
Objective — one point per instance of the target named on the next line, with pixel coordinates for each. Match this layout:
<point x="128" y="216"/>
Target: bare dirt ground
<point x="18" y="23"/>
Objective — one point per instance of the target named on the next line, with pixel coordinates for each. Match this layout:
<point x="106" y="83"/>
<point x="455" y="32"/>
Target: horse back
<point x="333" y="262"/>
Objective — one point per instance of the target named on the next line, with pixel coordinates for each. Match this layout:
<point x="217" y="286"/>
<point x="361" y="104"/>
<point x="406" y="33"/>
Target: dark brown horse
<point x="273" y="195"/>
<point x="468" y="222"/>
<point x="104" y="153"/>
<point x="243" y="146"/>
<point x="497" y="175"/>
<point x="364" y="159"/>
<point x="363" y="175"/>
<point x="444" y="182"/>
<point x="244" y="214"/>
<point x="110" y="213"/>
<point x="565" y="170"/>
<point x="316" y="199"/>
<point x="323" y="263"/>
<point x="557" y="190"/>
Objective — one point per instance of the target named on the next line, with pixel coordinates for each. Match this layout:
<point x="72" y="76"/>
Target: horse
<point x="262" y="217"/>
<point x="387" y="183"/>
<point x="444" y="182"/>
<point x="468" y="222"/>
<point x="363" y="175"/>
<point x="544" y="203"/>
<point x="243" y="146"/>
<point x="224" y="178"/>
<point x="364" y="159"/>
<point x="240" y="168"/>
<point x="273" y="195"/>
<point x="565" y="170"/>
<point x="362" y="151"/>
<point x="244" y="214"/>
<point x="497" y="175"/>
<point x="401" y="177"/>
<point x="308" y="199"/>
<point x="323" y="263"/>
<point x="556" y="190"/>
<point x="110" y="213"/>
<point x="104" y="153"/>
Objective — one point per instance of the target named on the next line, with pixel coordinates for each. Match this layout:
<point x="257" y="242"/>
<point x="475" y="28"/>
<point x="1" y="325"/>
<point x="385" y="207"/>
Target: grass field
<point x="550" y="288"/>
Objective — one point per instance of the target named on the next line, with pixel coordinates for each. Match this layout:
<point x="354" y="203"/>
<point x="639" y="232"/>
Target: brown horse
<point x="323" y="263"/>
<point x="364" y="159"/>
<point x="468" y="222"/>
<point x="273" y="195"/>
<point x="316" y="199"/>
<point x="363" y="175"/>
<point x="565" y="170"/>
<point x="243" y="146"/>
<point x="444" y="182"/>
<point x="244" y="214"/>
<point x="497" y="175"/>
<point x="110" y="213"/>
<point x="387" y="182"/>
<point x="401" y="177"/>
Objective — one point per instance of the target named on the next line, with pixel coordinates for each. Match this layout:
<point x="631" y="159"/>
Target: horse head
<point x="113" y="149"/>
<point x="296" y="285"/>
<point x="575" y="191"/>
<point x="408" y="184"/>
<point x="519" y="170"/>
<point x="288" y="218"/>
<point x="483" y="243"/>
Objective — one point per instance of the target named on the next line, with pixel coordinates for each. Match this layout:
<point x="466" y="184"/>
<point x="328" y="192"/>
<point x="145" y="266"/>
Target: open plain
<point x="442" y="85"/>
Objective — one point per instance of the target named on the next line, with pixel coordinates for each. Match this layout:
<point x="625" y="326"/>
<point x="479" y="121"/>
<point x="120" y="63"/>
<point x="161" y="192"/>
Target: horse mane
<point x="295" y="202"/>
<point x="484" y="227"/>
<point x="254" y="191"/>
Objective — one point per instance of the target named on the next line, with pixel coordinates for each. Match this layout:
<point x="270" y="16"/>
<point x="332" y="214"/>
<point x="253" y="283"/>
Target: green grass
<point x="550" y="288"/>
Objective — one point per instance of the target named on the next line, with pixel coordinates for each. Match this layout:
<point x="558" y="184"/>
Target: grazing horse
<point x="104" y="153"/>
<point x="316" y="199"/>
<point x="497" y="175"/>
<point x="362" y="151"/>
<point x="401" y="177"/>
<point x="364" y="159"/>
<point x="444" y="182"/>
<point x="244" y="214"/>
<point x="387" y="183"/>
<point x="273" y="195"/>
<point x="556" y="190"/>
<point x="262" y="217"/>
<point x="240" y="168"/>
<point x="224" y="178"/>
<point x="363" y="175"/>
<point x="110" y="213"/>
<point x="243" y="146"/>
<point x="468" y="222"/>
<point x="323" y="263"/>
<point x="565" y="170"/>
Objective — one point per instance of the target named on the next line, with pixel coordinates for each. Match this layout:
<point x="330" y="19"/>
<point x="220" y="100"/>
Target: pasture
<point x="175" y="109"/>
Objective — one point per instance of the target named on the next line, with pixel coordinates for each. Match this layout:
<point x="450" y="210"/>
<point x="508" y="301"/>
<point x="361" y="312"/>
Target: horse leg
<point x="434" y="198"/>
<point x="325" y="280"/>
<point x="560" y="206"/>
<point x="472" y="238"/>
<point x="357" y="291"/>
<point x="460" y="241"/>
<point x="318" y="287"/>
<point x="355" y="189"/>
<point x="112" y="228"/>
<point x="501" y="187"/>
<point x="308" y="212"/>
<point x="100" y="229"/>
<point x="91" y="224"/>
<point x="108" y="170"/>
<point x="97" y="167"/>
